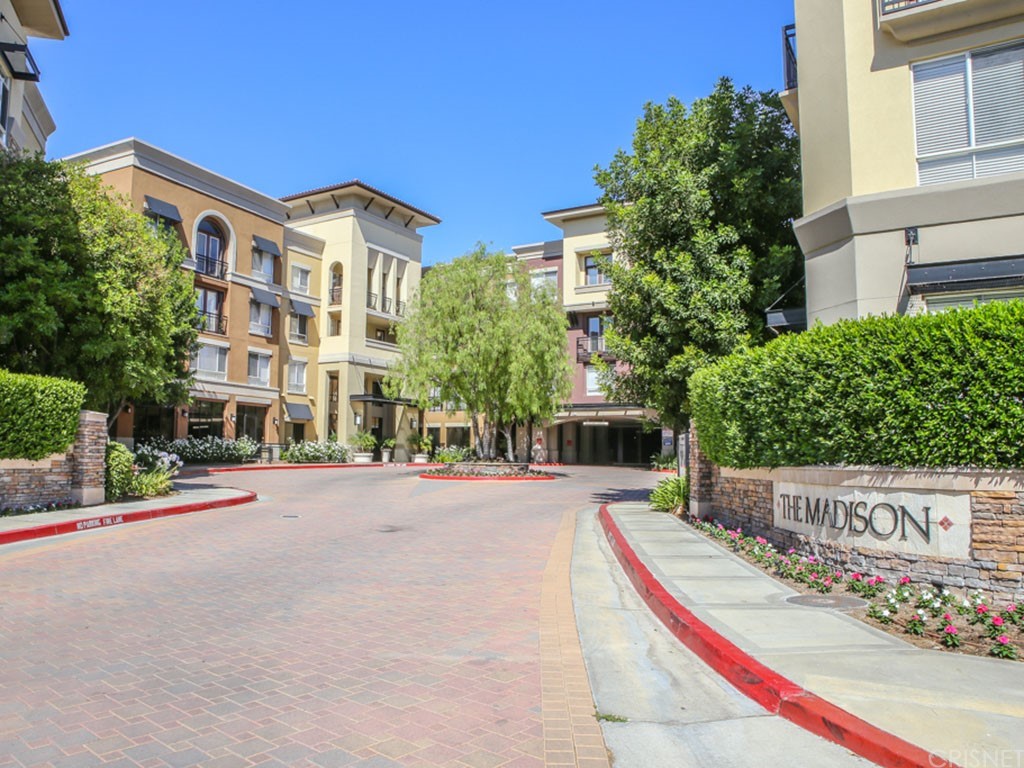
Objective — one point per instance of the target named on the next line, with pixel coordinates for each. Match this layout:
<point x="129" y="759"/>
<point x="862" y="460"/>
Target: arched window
<point x="337" y="277"/>
<point x="210" y="244"/>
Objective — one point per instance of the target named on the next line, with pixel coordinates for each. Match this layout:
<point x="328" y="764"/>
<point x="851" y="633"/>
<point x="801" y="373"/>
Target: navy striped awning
<point x="262" y="296"/>
<point x="298" y="412"/>
<point x="162" y="209"/>
<point x="302" y="308"/>
<point x="267" y="246"/>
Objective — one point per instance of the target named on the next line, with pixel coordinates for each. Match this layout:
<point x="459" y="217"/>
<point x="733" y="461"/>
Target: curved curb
<point x="425" y="476"/>
<point x="186" y="474"/>
<point x="776" y="693"/>
<point x="106" y="521"/>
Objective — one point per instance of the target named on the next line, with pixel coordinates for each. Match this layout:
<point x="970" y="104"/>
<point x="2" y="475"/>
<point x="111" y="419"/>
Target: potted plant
<point x="420" y="445"/>
<point x="363" y="444"/>
<point x="386" y="447"/>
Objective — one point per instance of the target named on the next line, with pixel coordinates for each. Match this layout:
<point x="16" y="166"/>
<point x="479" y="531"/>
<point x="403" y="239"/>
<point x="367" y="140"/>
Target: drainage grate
<point x="289" y="517"/>
<point x="835" y="602"/>
<point x="391" y="528"/>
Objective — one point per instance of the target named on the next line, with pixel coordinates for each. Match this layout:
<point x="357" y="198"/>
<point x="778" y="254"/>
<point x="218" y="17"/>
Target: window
<point x="210" y="303"/>
<point x="5" y="99"/>
<point x="210" y="250"/>
<point x="206" y="419"/>
<point x="943" y="301"/>
<point x="300" y="279"/>
<point x="593" y="384"/>
<point x="543" y="278"/>
<point x="297" y="377"/>
<point x="249" y="421"/>
<point x="211" y="362"/>
<point x="592" y="269"/>
<point x="969" y="115"/>
<point x="335" y="324"/>
<point x="259" y="318"/>
<point x="262" y="266"/>
<point x="259" y="369"/>
<point x="299" y="327"/>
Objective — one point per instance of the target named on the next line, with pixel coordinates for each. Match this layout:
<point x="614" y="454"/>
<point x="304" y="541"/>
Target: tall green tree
<point x="699" y="216"/>
<point x="480" y="337"/>
<point x="89" y="289"/>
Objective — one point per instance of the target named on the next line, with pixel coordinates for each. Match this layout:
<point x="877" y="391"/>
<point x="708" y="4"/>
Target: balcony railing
<point x="891" y="6"/>
<point x="211" y="267"/>
<point x="789" y="56"/>
<point x="213" y="322"/>
<point x="400" y="308"/>
<point x="302" y="338"/>
<point x="371" y="300"/>
<point x="259" y="329"/>
<point x="588" y="346"/>
<point x="385" y="304"/>
<point x="335" y="294"/>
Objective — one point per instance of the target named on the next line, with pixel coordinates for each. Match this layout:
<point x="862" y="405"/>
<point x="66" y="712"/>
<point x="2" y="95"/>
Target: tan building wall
<point x="370" y="269"/>
<point x="867" y="221"/>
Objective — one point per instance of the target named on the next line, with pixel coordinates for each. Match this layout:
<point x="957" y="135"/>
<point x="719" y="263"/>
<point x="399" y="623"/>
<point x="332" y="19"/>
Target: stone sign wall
<point x="74" y="477"/>
<point x="958" y="528"/>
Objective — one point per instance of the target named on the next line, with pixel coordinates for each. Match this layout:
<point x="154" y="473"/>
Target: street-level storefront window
<point x="206" y="419"/>
<point x="250" y="421"/>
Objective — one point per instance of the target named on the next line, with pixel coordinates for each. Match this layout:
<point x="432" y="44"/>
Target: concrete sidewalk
<point x="42" y="524"/>
<point x="964" y="710"/>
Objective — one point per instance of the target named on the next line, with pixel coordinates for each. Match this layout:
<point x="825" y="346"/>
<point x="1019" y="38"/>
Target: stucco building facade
<point x="911" y="121"/>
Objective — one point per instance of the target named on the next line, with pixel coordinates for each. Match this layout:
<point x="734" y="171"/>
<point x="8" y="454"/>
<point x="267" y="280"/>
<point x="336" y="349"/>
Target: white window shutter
<point x="940" y="106"/>
<point x="997" y="83"/>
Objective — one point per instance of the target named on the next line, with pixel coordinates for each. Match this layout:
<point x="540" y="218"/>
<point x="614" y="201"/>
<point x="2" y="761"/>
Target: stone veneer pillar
<point x="702" y="480"/>
<point x="88" y="459"/>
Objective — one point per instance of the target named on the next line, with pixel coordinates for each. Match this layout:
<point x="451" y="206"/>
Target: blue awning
<point x="262" y="296"/>
<point x="298" y="412"/>
<point x="970" y="274"/>
<point x="302" y="308"/>
<point x="267" y="246"/>
<point x="162" y="209"/>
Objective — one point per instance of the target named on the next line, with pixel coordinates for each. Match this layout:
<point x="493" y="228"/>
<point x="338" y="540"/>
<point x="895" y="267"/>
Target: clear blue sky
<point x="484" y="114"/>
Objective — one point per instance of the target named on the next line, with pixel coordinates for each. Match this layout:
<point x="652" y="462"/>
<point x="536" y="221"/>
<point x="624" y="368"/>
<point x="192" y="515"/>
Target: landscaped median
<point x="486" y="471"/>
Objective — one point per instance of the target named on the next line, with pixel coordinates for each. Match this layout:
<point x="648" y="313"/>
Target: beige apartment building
<point x="588" y="429"/>
<point x="371" y="267"/>
<point x="251" y="286"/>
<point x="911" y="121"/>
<point x="25" y="122"/>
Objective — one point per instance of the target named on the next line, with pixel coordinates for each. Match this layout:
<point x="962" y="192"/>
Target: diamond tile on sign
<point x="946" y="523"/>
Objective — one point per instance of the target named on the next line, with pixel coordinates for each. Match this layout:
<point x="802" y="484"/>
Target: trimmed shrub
<point x="120" y="472"/>
<point x="151" y="482"/>
<point x="315" y="453"/>
<point x="452" y="453"/>
<point x="942" y="390"/>
<point x="671" y="495"/>
<point x="38" y="415"/>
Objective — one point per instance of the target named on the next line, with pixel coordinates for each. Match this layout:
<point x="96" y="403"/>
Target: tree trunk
<point x="111" y="420"/>
<point x="509" y="445"/>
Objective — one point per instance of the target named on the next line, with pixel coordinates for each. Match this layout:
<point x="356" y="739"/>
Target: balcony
<point x="371" y="300"/>
<point x="215" y="268"/>
<point x="589" y="346"/>
<point x="213" y="322"/>
<point x="789" y="56"/>
<point x="385" y="305"/>
<point x="910" y="20"/>
<point x="400" y="308"/>
<point x="335" y="295"/>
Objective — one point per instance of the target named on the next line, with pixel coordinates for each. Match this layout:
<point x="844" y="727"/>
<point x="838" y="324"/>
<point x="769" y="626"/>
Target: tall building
<point x="25" y="122"/>
<point x="588" y="429"/>
<point x="372" y="261"/>
<point x="911" y="122"/>
<point x="298" y="299"/>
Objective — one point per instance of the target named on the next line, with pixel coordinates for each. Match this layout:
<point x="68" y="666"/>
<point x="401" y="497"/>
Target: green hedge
<point x="120" y="472"/>
<point x="38" y="415"/>
<point x="941" y="390"/>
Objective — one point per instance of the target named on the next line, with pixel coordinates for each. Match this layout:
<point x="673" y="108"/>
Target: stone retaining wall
<point x="74" y="477"/>
<point x="994" y="558"/>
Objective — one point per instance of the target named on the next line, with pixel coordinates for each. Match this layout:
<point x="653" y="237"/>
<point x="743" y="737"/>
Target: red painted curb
<point x="664" y="471"/>
<point x="486" y="479"/>
<point x="768" y="688"/>
<point x="106" y="521"/>
<point x="185" y="474"/>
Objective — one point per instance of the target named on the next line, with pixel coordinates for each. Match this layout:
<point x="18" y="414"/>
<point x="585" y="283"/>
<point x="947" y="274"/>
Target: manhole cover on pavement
<point x="836" y="602"/>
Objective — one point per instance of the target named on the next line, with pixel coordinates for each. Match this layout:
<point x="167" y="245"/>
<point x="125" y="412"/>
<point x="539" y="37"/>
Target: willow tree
<point x="480" y="337"/>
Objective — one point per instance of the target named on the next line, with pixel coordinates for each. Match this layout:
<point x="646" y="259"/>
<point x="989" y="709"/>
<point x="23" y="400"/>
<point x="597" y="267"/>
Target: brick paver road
<point x="355" y="617"/>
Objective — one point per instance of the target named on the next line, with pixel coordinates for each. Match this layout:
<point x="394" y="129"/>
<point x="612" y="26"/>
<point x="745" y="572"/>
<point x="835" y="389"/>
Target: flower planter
<point x="385" y="455"/>
<point x="420" y="458"/>
<point x="362" y="458"/>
